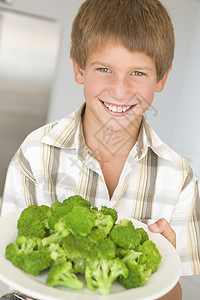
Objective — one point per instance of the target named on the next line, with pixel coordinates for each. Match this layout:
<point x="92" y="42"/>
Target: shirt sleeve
<point x="186" y="223"/>
<point x="19" y="190"/>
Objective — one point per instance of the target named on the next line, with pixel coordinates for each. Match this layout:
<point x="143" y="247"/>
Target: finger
<point x="163" y="227"/>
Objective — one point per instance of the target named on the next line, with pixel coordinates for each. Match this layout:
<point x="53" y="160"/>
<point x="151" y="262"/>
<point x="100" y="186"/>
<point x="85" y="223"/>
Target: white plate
<point x="159" y="284"/>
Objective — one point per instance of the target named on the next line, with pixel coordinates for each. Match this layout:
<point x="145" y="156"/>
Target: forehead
<point x="118" y="54"/>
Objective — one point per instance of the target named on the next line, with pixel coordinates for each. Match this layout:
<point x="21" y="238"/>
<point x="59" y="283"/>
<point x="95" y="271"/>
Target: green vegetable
<point x="100" y="274"/>
<point x="33" y="221"/>
<point x="137" y="277"/>
<point x="28" y="255"/>
<point x="125" y="237"/>
<point x="150" y="256"/>
<point x="62" y="275"/>
<point x="72" y="237"/>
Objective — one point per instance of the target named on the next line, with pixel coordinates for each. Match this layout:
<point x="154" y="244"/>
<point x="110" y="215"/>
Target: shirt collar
<point x="149" y="139"/>
<point x="68" y="134"/>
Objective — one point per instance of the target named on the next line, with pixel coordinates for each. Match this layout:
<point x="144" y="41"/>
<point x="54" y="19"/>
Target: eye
<point x="137" y="73"/>
<point x="104" y="70"/>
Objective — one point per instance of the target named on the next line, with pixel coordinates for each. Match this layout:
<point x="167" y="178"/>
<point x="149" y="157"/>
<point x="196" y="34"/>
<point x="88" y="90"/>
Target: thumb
<point x="162" y="226"/>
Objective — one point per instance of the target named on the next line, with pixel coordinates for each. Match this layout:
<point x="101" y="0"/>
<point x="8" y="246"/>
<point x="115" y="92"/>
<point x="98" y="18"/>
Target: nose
<point x="121" y="88"/>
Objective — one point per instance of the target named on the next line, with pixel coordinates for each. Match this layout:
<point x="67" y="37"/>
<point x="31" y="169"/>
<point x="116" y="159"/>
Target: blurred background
<point x="37" y="84"/>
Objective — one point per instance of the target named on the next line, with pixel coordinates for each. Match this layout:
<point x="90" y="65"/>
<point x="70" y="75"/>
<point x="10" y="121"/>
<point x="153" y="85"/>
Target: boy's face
<point x="119" y="86"/>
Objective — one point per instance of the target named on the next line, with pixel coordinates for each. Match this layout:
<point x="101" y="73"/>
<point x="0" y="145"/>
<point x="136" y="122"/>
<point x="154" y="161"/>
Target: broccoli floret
<point x="125" y="237"/>
<point x="125" y="222"/>
<point x="96" y="235"/>
<point x="57" y="253"/>
<point x="79" y="250"/>
<point x="109" y="211"/>
<point x="80" y="221"/>
<point x="56" y="236"/>
<point x="106" y="249"/>
<point x="32" y="262"/>
<point x="28" y="244"/>
<point x="143" y="234"/>
<point x="54" y="205"/>
<point x="77" y="246"/>
<point x="150" y="256"/>
<point x="131" y="258"/>
<point x="62" y="275"/>
<point x="104" y="222"/>
<point x="137" y="276"/>
<point x="76" y="201"/>
<point x="33" y="221"/>
<point x="100" y="274"/>
<point x="62" y="209"/>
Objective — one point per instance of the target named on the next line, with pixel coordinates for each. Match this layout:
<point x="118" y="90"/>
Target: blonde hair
<point x="138" y="25"/>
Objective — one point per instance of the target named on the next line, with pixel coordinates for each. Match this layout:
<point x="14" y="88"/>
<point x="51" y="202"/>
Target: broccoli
<point x="57" y="253"/>
<point x="76" y="201"/>
<point x="100" y="274"/>
<point x="137" y="276"/>
<point x="150" y="256"/>
<point x="80" y="221"/>
<point x="106" y="249"/>
<point x="72" y="237"/>
<point x="96" y="235"/>
<point x="62" y="275"/>
<point x="28" y="244"/>
<point x="143" y="234"/>
<point x="125" y="222"/>
<point x="33" y="221"/>
<point x="28" y="255"/>
<point x="125" y="237"/>
<point x="64" y="208"/>
<point x="104" y="222"/>
<point x="56" y="236"/>
<point x="131" y="257"/>
<point x="110" y="211"/>
<point x="79" y="250"/>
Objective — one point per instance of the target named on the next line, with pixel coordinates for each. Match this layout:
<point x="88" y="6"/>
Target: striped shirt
<point x="54" y="163"/>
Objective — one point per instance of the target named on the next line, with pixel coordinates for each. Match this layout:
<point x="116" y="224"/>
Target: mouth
<point x="117" y="109"/>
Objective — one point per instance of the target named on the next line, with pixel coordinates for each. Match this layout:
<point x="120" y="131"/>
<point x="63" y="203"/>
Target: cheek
<point x="92" y="87"/>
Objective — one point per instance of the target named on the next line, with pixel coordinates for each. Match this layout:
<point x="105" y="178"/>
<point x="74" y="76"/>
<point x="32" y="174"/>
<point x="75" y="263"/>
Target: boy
<point x="122" y="52"/>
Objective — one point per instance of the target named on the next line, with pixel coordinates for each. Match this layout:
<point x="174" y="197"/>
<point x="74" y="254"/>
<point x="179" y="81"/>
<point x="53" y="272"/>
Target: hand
<point x="163" y="227"/>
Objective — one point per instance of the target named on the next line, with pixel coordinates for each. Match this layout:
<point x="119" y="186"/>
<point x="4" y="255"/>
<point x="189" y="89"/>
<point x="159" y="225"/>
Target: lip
<point x="117" y="114"/>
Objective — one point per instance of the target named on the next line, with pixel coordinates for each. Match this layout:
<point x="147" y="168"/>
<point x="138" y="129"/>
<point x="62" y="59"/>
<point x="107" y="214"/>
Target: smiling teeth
<point x="116" y="108"/>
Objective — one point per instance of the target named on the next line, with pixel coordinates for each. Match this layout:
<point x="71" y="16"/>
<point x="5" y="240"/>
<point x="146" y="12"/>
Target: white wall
<point x="177" y="121"/>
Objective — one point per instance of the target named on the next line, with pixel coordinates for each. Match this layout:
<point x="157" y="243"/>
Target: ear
<point x="161" y="83"/>
<point x="78" y="72"/>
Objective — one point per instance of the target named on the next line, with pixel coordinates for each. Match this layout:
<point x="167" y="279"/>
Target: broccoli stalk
<point x="62" y="275"/>
<point x="100" y="274"/>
